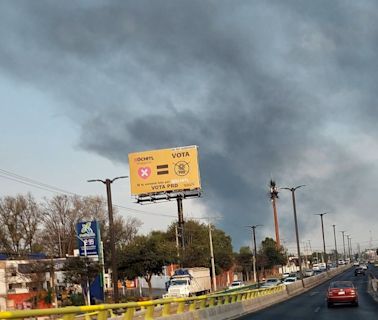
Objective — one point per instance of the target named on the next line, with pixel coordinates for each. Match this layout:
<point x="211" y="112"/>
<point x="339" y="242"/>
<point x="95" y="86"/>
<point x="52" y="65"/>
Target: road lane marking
<point x="317" y="309"/>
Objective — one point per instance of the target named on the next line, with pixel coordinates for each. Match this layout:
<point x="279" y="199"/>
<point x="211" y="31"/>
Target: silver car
<point x="272" y="282"/>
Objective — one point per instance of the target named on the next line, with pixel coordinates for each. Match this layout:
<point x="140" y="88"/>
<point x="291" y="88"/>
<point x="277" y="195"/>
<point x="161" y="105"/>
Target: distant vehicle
<point x="356" y="263"/>
<point x="272" y="282"/>
<point x="308" y="273"/>
<point x="342" y="292"/>
<point x="236" y="284"/>
<point x="358" y="271"/>
<point x="315" y="267"/>
<point x="188" y="282"/>
<point x="341" y="262"/>
<point x="364" y="266"/>
<point x="289" y="280"/>
<point x="322" y="266"/>
<point x="295" y="274"/>
<point x="285" y="275"/>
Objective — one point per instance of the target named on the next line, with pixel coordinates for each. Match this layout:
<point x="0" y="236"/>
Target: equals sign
<point x="162" y="169"/>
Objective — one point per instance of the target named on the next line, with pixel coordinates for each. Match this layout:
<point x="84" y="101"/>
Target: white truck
<point x="188" y="282"/>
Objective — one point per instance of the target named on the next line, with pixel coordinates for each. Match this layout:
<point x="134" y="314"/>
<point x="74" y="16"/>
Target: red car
<point x="342" y="292"/>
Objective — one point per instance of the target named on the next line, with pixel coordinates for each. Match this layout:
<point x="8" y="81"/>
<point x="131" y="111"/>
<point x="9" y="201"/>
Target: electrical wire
<point x="43" y="186"/>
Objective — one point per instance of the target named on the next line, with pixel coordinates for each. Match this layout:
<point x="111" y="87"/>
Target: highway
<point x="312" y="304"/>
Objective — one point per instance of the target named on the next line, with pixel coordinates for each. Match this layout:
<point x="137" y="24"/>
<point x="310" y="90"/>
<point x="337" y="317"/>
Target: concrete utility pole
<point x="343" y="243"/>
<point x="334" y="236"/>
<point x="212" y="260"/>
<point x="324" y="249"/>
<point x="108" y="182"/>
<point x="292" y="190"/>
<point x="255" y="254"/>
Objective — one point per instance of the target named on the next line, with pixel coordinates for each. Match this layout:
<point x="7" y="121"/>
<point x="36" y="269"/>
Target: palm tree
<point x="273" y="196"/>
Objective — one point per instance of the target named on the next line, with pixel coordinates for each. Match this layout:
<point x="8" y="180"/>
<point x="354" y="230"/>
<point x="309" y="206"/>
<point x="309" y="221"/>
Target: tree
<point x="146" y="256"/>
<point x="269" y="255"/>
<point x="197" y="246"/>
<point x="62" y="212"/>
<point x="244" y="261"/>
<point x="19" y="220"/>
<point x="81" y="270"/>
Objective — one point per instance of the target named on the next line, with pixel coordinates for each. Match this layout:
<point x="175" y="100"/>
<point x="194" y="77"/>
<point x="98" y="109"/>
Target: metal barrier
<point x="148" y="309"/>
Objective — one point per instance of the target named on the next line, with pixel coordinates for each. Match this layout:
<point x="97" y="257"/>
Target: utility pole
<point x="292" y="190"/>
<point x="336" y="255"/>
<point x="324" y="249"/>
<point x="212" y="260"/>
<point x="255" y="254"/>
<point x="343" y="244"/>
<point x="108" y="182"/>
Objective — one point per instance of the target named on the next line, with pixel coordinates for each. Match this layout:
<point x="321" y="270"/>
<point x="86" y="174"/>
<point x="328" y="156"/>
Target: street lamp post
<point x="292" y="190"/>
<point x="108" y="182"/>
<point x="343" y="244"/>
<point x="255" y="254"/>
<point x="324" y="249"/>
<point x="336" y="255"/>
<point x="349" y="247"/>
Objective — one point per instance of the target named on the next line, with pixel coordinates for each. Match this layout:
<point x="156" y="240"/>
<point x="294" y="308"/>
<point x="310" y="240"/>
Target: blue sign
<point x="88" y="234"/>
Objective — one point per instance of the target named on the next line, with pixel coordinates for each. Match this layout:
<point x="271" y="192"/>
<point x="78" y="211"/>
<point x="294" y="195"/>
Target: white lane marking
<point x="317" y="309"/>
<point x="313" y="293"/>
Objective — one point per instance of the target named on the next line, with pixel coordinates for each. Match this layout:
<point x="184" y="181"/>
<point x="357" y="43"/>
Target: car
<point x="315" y="267"/>
<point x="285" y="275"/>
<point x="289" y="280"/>
<point x="236" y="284"/>
<point x="356" y="263"/>
<point x="364" y="266"/>
<point x="272" y="282"/>
<point x="342" y="292"/>
<point x="295" y="274"/>
<point x="308" y="273"/>
<point x="341" y="262"/>
<point x="358" y="271"/>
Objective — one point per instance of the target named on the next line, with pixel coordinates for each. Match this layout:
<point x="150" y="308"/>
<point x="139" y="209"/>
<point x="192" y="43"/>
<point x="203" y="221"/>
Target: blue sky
<point x="266" y="89"/>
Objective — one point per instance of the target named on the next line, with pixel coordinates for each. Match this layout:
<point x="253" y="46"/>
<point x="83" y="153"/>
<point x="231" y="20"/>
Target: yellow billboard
<point x="164" y="170"/>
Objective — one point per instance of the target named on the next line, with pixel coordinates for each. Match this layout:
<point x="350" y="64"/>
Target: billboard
<point x="88" y="232"/>
<point x="164" y="170"/>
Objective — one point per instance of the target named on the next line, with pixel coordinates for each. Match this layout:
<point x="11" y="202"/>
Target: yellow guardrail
<point x="147" y="309"/>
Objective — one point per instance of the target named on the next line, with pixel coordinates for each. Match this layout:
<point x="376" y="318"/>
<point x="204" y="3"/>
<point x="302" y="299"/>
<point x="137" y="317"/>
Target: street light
<point x="324" y="249"/>
<point x="292" y="190"/>
<point x="255" y="253"/>
<point x="349" y="247"/>
<point x="343" y="243"/>
<point x="336" y="255"/>
<point x="108" y="182"/>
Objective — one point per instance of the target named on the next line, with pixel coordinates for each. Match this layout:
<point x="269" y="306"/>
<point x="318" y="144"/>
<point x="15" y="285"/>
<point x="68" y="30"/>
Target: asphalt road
<point x="312" y="304"/>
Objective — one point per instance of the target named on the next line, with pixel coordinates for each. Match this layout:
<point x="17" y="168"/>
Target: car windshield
<point x="290" y="280"/>
<point x="178" y="282"/>
<point x="342" y="284"/>
<point x="235" y="284"/>
<point x="271" y="280"/>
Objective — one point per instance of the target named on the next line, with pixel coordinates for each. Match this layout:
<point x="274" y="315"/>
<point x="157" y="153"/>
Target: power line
<point x="43" y="186"/>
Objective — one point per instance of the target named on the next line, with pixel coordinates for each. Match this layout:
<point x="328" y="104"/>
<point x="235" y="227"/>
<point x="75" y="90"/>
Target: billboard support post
<point x="181" y="221"/>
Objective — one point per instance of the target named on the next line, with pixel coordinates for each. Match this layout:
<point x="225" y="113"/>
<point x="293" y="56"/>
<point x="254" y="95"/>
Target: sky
<point x="282" y="90"/>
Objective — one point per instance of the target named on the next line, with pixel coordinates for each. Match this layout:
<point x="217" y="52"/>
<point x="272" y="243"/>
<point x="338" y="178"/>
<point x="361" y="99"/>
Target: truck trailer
<point x="188" y="282"/>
